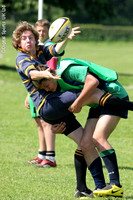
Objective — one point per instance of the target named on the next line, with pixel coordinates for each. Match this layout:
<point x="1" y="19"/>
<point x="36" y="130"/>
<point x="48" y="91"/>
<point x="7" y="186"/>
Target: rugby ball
<point x="60" y="29"/>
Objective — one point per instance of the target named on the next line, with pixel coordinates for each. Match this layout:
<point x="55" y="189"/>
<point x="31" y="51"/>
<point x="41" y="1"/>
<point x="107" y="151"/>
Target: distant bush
<point x="91" y="32"/>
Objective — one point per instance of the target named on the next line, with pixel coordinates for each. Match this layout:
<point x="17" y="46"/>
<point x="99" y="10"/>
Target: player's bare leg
<point x="47" y="141"/>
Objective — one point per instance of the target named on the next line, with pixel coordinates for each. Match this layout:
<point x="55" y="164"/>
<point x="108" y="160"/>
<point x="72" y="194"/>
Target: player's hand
<point x="75" y="108"/>
<point x="27" y="102"/>
<point x="49" y="75"/>
<point x="58" y="128"/>
<point x="74" y="32"/>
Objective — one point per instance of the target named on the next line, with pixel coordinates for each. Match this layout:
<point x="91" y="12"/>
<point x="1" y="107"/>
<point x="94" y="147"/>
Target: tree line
<point x="106" y="12"/>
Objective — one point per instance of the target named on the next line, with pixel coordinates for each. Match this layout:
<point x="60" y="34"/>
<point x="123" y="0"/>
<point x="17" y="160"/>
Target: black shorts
<point x="55" y="110"/>
<point x="71" y="123"/>
<point x="96" y="112"/>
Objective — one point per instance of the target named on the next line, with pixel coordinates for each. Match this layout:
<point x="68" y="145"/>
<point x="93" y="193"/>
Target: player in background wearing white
<point x="46" y="154"/>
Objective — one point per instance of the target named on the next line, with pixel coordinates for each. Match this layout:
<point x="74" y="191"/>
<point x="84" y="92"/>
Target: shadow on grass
<point x="124" y="74"/>
<point x="127" y="168"/>
<point x="128" y="197"/>
<point x="7" y="68"/>
<point x="116" y="198"/>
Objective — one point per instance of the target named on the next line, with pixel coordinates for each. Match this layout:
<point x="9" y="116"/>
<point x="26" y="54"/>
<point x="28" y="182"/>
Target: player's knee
<point x="85" y="145"/>
<point x="45" y="124"/>
<point x="96" y="141"/>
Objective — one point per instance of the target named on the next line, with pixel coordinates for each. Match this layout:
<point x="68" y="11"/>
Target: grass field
<point x="18" y="134"/>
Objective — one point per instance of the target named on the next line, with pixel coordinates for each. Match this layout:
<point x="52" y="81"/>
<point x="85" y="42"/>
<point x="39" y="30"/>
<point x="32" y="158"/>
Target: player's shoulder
<point x="44" y="45"/>
<point x="22" y="56"/>
<point x="40" y="47"/>
<point x="48" y="42"/>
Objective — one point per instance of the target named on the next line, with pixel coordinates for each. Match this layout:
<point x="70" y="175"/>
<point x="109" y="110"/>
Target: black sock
<point x="42" y="153"/>
<point x="110" y="160"/>
<point x="110" y="101"/>
<point x="50" y="155"/>
<point x="80" y="168"/>
<point x="97" y="173"/>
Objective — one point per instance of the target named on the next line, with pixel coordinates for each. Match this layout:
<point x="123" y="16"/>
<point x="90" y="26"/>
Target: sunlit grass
<point x="19" y="139"/>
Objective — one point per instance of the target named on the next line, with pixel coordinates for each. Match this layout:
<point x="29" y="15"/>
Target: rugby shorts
<point x="96" y="112"/>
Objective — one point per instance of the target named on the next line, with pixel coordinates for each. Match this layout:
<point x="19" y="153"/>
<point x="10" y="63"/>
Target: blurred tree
<point x="123" y="12"/>
<point x="18" y="10"/>
<point x="112" y="12"/>
<point x="84" y="10"/>
<point x="13" y="5"/>
<point x="98" y="10"/>
<point x="66" y="5"/>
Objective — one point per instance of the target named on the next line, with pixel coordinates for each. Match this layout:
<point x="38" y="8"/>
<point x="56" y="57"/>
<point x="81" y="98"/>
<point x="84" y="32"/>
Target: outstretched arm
<point x="61" y="46"/>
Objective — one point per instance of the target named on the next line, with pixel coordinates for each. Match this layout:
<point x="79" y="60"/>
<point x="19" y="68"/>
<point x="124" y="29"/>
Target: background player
<point x="46" y="154"/>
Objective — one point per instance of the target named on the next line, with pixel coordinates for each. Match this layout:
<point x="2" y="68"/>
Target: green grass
<point x="18" y="133"/>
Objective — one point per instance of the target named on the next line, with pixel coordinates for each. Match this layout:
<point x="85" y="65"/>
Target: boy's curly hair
<point x="23" y="26"/>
